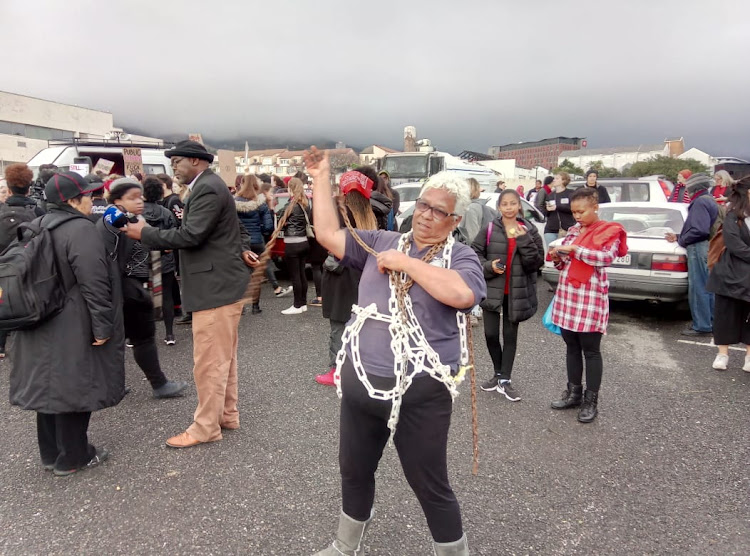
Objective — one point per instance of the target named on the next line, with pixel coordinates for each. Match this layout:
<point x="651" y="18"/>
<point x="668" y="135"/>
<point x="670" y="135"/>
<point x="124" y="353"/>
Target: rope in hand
<point x="402" y="289"/>
<point x="253" y="290"/>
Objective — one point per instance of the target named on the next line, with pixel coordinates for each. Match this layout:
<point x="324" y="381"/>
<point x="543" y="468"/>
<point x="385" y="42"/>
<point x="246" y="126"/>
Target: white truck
<point x="416" y="167"/>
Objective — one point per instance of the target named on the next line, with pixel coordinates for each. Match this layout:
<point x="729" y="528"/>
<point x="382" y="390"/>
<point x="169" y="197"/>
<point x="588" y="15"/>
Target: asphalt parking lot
<point x="663" y="470"/>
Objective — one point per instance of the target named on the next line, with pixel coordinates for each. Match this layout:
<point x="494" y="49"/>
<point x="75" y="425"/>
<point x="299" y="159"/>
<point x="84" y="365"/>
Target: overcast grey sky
<point x="467" y="74"/>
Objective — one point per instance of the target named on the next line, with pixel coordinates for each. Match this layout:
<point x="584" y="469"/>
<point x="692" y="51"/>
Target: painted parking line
<point x="711" y="344"/>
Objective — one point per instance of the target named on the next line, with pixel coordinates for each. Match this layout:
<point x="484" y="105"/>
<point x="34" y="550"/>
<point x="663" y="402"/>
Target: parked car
<point x="652" y="189"/>
<point x="408" y="195"/>
<point x="653" y="269"/>
<point x="282" y="200"/>
<point x="530" y="212"/>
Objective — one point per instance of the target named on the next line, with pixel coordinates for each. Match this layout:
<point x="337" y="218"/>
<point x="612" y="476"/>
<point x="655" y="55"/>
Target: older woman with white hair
<point x="401" y="352"/>
<point x="722" y="189"/>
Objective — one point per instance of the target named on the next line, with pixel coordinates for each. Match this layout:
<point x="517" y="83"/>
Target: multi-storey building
<point x="543" y="153"/>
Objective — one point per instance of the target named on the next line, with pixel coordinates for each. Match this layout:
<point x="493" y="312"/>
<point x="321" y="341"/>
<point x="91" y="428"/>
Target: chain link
<point x="408" y="342"/>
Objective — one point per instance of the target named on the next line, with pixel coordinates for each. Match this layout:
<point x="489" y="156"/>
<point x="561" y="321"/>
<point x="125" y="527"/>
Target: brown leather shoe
<point x="183" y="440"/>
<point x="230" y="426"/>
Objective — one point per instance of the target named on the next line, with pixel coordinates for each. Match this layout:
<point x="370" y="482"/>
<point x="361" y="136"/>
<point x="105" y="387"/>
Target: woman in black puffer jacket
<point x="511" y="252"/>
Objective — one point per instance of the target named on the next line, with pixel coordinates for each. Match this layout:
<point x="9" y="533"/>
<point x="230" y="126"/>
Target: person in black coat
<point x="159" y="216"/>
<point x="511" y="252"/>
<point x="72" y="364"/>
<point x="729" y="279"/>
<point x="591" y="181"/>
<point x="341" y="283"/>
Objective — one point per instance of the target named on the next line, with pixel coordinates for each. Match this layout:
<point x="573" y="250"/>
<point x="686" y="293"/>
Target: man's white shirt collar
<point x="192" y="183"/>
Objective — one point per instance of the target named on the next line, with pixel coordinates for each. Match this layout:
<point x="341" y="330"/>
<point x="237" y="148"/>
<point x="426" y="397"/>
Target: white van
<point x="83" y="151"/>
<point x="410" y="168"/>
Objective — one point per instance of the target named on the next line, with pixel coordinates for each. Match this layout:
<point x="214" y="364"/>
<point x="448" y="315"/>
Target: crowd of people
<point x="136" y="250"/>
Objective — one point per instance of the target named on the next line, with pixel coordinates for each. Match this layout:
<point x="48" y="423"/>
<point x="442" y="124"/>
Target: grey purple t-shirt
<point x="438" y="320"/>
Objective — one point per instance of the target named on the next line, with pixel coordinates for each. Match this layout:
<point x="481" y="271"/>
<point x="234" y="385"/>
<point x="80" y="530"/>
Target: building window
<point x="34" y="131"/>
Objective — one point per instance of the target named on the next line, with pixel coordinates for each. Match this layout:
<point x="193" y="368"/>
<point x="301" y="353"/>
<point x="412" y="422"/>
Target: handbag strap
<point x="489" y="233"/>
<point x="304" y="211"/>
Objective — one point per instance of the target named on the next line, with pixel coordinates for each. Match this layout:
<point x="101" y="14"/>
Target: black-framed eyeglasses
<point x="175" y="160"/>
<point x="437" y="214"/>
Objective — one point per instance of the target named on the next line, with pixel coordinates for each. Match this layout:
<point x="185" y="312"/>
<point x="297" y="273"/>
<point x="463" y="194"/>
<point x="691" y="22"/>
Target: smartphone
<point x="498" y="266"/>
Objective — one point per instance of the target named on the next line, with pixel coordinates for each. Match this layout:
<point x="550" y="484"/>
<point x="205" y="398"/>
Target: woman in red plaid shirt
<point x="581" y="304"/>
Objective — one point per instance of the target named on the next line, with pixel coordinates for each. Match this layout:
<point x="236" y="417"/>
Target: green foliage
<point x="567" y="166"/>
<point x="604" y="171"/>
<point x="665" y="166"/>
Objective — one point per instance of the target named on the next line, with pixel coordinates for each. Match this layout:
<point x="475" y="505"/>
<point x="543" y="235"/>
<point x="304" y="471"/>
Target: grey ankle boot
<point x="455" y="548"/>
<point x="349" y="538"/>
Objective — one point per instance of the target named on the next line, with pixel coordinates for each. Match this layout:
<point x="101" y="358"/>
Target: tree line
<point x="659" y="165"/>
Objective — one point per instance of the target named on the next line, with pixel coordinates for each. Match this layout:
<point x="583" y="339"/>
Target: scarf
<point x="155" y="284"/>
<point x="600" y="234"/>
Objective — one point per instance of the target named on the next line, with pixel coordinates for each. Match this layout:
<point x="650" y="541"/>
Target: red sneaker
<point x="326" y="379"/>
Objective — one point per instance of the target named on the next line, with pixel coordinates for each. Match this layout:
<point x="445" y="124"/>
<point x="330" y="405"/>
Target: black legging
<point x="295" y="256"/>
<point x="168" y="285"/>
<point x="421" y="441"/>
<point x="502" y="356"/>
<point x="140" y="329"/>
<point x="580" y="345"/>
<point x="317" y="274"/>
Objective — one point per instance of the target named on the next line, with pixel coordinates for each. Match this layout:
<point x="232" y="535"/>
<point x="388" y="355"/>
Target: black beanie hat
<point x="190" y="149"/>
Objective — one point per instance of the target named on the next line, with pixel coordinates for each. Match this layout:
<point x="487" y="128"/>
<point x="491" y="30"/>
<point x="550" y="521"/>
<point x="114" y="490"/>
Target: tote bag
<point x="547" y="320"/>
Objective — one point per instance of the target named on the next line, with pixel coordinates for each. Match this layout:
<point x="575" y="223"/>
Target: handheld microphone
<point x="118" y="219"/>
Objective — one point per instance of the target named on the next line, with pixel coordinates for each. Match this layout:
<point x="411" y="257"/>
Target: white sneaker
<point x="294" y="310"/>
<point x="720" y="363"/>
<point x="746" y="368"/>
<point x="284" y="291"/>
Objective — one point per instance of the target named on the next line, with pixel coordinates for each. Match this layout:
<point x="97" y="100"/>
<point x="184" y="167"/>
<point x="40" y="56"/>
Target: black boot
<point x="256" y="309"/>
<point x="570" y="397"/>
<point x="588" y="407"/>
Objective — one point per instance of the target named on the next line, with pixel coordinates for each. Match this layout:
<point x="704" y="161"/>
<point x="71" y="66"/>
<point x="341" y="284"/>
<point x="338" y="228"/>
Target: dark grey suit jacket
<point x="211" y="240"/>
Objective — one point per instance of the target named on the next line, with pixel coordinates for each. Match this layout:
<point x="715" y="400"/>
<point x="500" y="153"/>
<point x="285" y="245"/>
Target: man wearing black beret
<point x="215" y="253"/>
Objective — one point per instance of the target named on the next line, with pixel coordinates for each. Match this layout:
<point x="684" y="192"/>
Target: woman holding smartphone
<point x="511" y="252"/>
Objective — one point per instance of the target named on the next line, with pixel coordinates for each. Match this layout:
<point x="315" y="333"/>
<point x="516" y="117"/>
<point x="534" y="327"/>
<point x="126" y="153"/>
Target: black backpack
<point x="31" y="286"/>
<point x="10" y="218"/>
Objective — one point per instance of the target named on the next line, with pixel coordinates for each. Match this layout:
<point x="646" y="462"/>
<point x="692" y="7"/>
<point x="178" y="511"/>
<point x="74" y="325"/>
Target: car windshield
<point x="408" y="194"/>
<point x="644" y="221"/>
<point x="400" y="167"/>
<point x="281" y="202"/>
